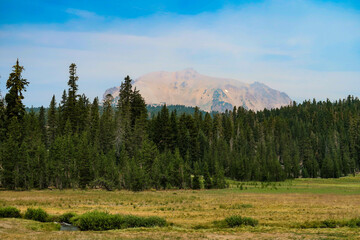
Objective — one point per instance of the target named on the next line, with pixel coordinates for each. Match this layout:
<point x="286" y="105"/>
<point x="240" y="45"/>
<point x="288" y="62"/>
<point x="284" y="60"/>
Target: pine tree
<point x="107" y="126"/>
<point x="138" y="122"/>
<point x="111" y="173"/>
<point x="52" y="121"/>
<point x="84" y="161"/>
<point x="63" y="113"/>
<point x="174" y="132"/>
<point x="123" y="116"/>
<point x="327" y="170"/>
<point x="310" y="166"/>
<point x="71" y="109"/>
<point x="30" y="168"/>
<point x="163" y="137"/>
<point x="155" y="175"/>
<point x="57" y="163"/>
<point x="2" y="119"/>
<point x="11" y="155"/>
<point x="207" y="180"/>
<point x="83" y="113"/>
<point x="207" y="126"/>
<point x="138" y="180"/>
<point x="194" y="146"/>
<point x="196" y="179"/>
<point x="175" y="169"/>
<point x="184" y="137"/>
<point x="94" y="123"/>
<point x="147" y="155"/>
<point x="16" y="84"/>
<point x="41" y="160"/>
<point x="42" y="125"/>
<point x="219" y="178"/>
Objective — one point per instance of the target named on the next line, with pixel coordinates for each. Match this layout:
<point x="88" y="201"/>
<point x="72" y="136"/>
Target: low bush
<point x="355" y="222"/>
<point x="331" y="223"/>
<point x="53" y="218"/>
<point x="36" y="214"/>
<point x="235" y="221"/>
<point x="9" y="212"/>
<point x="99" y="221"/>
<point x="66" y="217"/>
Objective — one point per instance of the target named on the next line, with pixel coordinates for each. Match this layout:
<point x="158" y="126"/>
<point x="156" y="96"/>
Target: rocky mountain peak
<point x="190" y="88"/>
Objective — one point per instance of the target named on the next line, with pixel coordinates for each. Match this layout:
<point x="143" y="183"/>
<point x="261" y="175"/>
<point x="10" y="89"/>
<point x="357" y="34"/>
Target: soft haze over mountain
<point x="190" y="88"/>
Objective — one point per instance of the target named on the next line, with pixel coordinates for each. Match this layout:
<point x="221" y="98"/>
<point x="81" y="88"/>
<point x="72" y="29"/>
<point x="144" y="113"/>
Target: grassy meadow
<point x="282" y="209"/>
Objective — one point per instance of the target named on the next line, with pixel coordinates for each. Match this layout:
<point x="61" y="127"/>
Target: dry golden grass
<point x="278" y="207"/>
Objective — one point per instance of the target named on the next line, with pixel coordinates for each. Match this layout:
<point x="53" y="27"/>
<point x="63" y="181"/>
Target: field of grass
<point x="281" y="208"/>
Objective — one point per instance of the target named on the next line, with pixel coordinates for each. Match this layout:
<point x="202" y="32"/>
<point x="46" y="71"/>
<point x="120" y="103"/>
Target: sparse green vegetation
<point x="37" y="214"/>
<point x="9" y="212"/>
<point x="66" y="217"/>
<point x="100" y="221"/>
<point x="331" y="223"/>
<point x="236" y="221"/>
<point x="43" y="226"/>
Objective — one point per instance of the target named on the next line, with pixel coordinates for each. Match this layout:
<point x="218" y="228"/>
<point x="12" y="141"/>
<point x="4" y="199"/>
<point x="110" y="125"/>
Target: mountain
<point x="190" y="88"/>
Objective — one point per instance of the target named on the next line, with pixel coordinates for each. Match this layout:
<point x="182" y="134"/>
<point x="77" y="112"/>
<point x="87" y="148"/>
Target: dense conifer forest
<point x="74" y="144"/>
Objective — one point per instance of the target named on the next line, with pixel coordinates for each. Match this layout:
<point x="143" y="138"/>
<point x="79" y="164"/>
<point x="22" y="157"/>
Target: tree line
<point x="76" y="144"/>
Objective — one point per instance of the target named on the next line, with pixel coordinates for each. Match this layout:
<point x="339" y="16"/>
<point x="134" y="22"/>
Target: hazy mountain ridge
<point x="189" y="88"/>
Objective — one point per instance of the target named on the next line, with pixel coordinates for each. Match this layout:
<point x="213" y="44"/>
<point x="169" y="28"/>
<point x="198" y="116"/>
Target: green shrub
<point x="99" y="221"/>
<point x="53" y="218"/>
<point x="355" y="222"/>
<point x="311" y="224"/>
<point x="331" y="223"/>
<point x="66" y="217"/>
<point x="36" y="214"/>
<point x="235" y="221"/>
<point x="9" y="212"/>
<point x="154" y="221"/>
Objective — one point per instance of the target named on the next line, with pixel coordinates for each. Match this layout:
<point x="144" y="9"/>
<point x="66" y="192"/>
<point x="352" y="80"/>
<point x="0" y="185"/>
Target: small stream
<point x="68" y="227"/>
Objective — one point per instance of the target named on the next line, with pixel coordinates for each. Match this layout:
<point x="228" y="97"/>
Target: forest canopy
<point x="75" y="143"/>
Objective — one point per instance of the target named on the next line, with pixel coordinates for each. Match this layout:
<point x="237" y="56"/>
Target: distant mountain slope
<point x="189" y="88"/>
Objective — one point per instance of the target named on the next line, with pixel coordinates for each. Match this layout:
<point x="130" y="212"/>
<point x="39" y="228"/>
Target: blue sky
<point x="308" y="49"/>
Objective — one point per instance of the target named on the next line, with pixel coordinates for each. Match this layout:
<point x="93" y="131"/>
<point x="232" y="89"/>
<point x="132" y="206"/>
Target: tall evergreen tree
<point x="11" y="155"/>
<point x="52" y="121"/>
<point x="42" y="125"/>
<point x="16" y="85"/>
<point x="94" y="122"/>
<point x="72" y="98"/>
<point x="107" y="126"/>
<point x="2" y="118"/>
<point x="123" y="115"/>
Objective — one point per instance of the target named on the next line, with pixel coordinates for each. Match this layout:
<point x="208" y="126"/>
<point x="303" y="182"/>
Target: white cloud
<point x="84" y="14"/>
